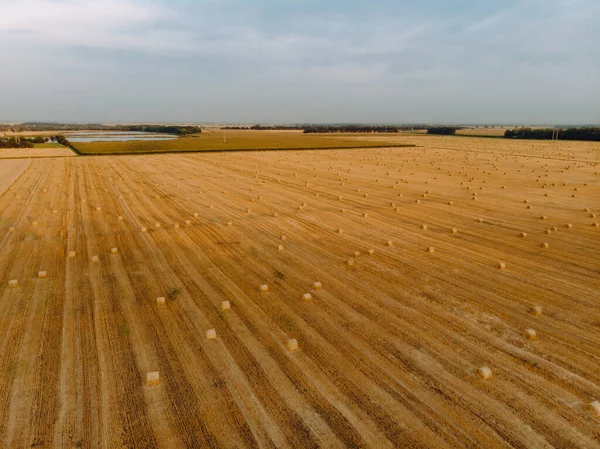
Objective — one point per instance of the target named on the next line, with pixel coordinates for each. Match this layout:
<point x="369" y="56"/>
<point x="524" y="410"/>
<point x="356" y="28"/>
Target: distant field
<point x="482" y="132"/>
<point x="235" y="140"/>
<point x="48" y="145"/>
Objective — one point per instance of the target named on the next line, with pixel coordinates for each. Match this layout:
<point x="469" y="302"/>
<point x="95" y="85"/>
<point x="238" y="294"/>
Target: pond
<point x="115" y="136"/>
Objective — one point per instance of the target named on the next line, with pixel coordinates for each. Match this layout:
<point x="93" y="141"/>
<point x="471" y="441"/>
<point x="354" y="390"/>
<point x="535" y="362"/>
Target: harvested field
<point x="230" y="140"/>
<point x="41" y="150"/>
<point x="10" y="172"/>
<point x="482" y="132"/>
<point x="403" y="348"/>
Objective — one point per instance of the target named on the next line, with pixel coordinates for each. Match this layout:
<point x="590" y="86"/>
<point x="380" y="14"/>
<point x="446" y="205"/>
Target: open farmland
<point x="390" y="342"/>
<point x="230" y="140"/>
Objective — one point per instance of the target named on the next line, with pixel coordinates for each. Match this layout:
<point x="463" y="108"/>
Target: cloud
<point x="116" y="24"/>
<point x="428" y="51"/>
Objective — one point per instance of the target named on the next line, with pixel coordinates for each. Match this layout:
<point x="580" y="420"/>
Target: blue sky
<point x="467" y="61"/>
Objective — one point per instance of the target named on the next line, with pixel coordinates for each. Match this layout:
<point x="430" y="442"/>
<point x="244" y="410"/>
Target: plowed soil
<point x="388" y="349"/>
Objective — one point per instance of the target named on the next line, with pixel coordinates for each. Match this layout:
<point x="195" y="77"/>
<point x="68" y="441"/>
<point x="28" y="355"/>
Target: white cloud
<point x="119" y="24"/>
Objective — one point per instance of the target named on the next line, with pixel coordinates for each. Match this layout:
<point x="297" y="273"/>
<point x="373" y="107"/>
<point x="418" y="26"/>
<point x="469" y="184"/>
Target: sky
<point x="301" y="61"/>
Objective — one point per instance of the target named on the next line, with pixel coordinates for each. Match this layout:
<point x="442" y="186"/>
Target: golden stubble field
<point x="407" y="244"/>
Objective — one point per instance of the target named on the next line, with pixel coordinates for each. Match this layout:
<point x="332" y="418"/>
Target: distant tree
<point x="585" y="133"/>
<point x="442" y="130"/>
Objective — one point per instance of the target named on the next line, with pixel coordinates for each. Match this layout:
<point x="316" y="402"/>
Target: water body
<point x="115" y="136"/>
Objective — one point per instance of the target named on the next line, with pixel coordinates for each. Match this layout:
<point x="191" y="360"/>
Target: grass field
<point x="235" y="140"/>
<point x="482" y="132"/>
<point x="48" y="145"/>
<point x="389" y="347"/>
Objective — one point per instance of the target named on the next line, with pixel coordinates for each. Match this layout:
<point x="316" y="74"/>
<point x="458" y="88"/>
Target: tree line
<point x="21" y="142"/>
<point x="585" y="133"/>
<point x="165" y="129"/>
<point x="442" y="130"/>
<point x="49" y="126"/>
<point x="349" y="128"/>
<point x="357" y="128"/>
<point x="267" y="127"/>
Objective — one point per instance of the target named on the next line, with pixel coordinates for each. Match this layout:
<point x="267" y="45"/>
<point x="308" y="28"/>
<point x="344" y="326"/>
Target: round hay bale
<point x="501" y="265"/>
<point x="264" y="288"/>
<point x="430" y="249"/>
<point x="548" y="231"/>
<point x="484" y="372"/>
<point x="529" y="207"/>
<point x="229" y="224"/>
<point x="283" y="237"/>
<point x="188" y="222"/>
<point x="595" y="225"/>
<point x="371" y="252"/>
<point x="523" y="234"/>
<point x="317" y="285"/>
<point x="365" y="215"/>
<point x="306" y="297"/>
<point x="424" y="227"/>
<point x="545" y="245"/>
<point x="350" y="262"/>
<point x="543" y="217"/>
<point x="225" y="305"/>
<point x="356" y="254"/>
<point x="554" y="229"/>
<point x="120" y="218"/>
<point x="211" y="334"/>
<point x="275" y="214"/>
<point x="339" y="230"/>
<point x="42" y="274"/>
<point x="176" y="225"/>
<point x="535" y="310"/>
<point x="35" y="223"/>
<point x="480" y="220"/>
<point x="450" y="203"/>
<point x="161" y="301"/>
<point x="72" y="254"/>
<point x="152" y="379"/>
<point x="593" y="409"/>
<point x="98" y="209"/>
<point x="13" y="283"/>
<point x="390" y="243"/>
<point x="292" y="345"/>
<point x="454" y="231"/>
<point x="95" y="259"/>
<point x="196" y="215"/>
<point x="157" y="224"/>
<point x="529" y="334"/>
<point x="11" y="229"/>
<point x="280" y="248"/>
<point x="568" y="226"/>
<point x="114" y="250"/>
